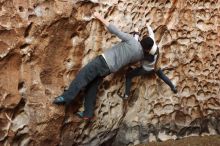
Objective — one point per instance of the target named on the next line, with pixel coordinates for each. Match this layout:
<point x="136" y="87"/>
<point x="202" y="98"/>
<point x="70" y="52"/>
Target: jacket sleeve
<point x="151" y="34"/>
<point x="122" y="35"/>
<point x="156" y="65"/>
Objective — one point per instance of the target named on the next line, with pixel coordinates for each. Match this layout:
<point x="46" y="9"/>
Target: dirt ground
<point x="190" y="141"/>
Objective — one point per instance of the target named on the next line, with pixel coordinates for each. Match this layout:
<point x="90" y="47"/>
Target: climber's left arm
<point x="151" y="34"/>
<point x="156" y="65"/>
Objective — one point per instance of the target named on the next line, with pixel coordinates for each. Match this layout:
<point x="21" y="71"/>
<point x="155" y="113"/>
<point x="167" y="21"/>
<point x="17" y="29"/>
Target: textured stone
<point x="43" y="44"/>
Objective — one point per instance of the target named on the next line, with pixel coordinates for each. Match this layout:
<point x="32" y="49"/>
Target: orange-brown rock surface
<point x="43" y="43"/>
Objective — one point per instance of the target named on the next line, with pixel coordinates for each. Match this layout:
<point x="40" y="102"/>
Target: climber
<point x="129" y="50"/>
<point x="149" y="66"/>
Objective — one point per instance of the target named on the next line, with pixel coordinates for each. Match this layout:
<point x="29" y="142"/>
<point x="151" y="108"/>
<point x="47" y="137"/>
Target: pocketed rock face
<point x="43" y="43"/>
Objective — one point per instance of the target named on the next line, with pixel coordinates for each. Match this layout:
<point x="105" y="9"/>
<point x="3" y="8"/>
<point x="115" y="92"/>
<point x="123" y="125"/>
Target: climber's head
<point x="147" y="43"/>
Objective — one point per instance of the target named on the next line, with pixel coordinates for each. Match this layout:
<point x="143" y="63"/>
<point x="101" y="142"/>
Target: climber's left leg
<point x="134" y="73"/>
<point x="160" y="74"/>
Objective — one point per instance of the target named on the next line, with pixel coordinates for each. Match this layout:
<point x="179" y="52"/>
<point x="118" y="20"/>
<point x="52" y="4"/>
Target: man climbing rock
<point x="129" y="50"/>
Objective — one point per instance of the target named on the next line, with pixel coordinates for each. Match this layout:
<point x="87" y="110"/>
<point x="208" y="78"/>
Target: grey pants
<point x="89" y="77"/>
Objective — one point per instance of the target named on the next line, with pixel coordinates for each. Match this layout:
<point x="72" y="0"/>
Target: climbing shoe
<point x="174" y="90"/>
<point x="59" y="100"/>
<point x="124" y="97"/>
<point x="82" y="116"/>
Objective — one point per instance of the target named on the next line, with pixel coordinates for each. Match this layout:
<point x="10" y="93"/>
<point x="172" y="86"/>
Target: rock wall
<point x="43" y="43"/>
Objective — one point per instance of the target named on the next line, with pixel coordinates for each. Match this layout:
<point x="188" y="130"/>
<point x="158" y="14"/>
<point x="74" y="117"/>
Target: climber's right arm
<point x="103" y="20"/>
<point x="112" y="28"/>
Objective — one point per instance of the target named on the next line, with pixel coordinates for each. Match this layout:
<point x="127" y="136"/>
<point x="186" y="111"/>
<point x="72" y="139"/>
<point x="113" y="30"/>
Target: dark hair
<point x="147" y="43"/>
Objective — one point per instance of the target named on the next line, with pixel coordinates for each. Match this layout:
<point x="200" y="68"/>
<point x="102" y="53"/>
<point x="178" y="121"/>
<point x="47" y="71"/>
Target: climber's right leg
<point x="97" y="67"/>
